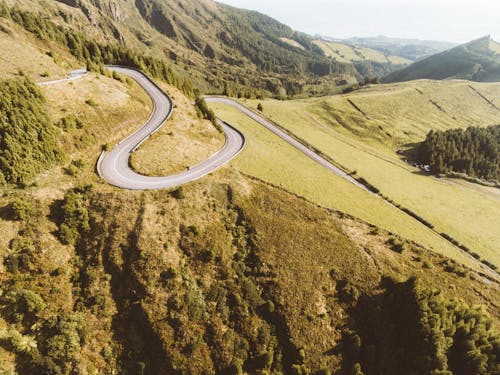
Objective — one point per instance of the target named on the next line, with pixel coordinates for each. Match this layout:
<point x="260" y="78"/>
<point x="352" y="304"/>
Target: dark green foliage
<point x="257" y="38"/>
<point x="178" y="193"/>
<point x="27" y="136"/>
<point x="75" y="217"/>
<point x="260" y="108"/>
<point x="22" y="209"/>
<point x="474" y="151"/>
<point x="70" y="122"/>
<point x="23" y="305"/>
<point x="422" y="333"/>
<point x="207" y="113"/>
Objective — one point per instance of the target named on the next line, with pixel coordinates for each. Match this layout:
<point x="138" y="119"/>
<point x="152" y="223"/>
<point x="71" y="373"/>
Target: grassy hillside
<point x="237" y="275"/>
<point x="478" y="60"/>
<point x="368" y="62"/>
<point x="215" y="45"/>
<point x="367" y="142"/>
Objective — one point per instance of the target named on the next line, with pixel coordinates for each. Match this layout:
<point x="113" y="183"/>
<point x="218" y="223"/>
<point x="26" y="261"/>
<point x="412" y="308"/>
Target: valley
<point x="237" y="197"/>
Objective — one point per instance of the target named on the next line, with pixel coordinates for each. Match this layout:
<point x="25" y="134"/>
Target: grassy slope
<point x="346" y="53"/>
<point x="184" y="141"/>
<point x="271" y="159"/>
<point x="395" y="118"/>
<point x="22" y="51"/>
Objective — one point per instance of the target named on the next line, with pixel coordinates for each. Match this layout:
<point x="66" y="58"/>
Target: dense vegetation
<point x="27" y="136"/>
<point x="440" y="336"/>
<point x="140" y="289"/>
<point x="474" y="151"/>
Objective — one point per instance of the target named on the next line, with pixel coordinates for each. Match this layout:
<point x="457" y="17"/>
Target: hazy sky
<point x="448" y="20"/>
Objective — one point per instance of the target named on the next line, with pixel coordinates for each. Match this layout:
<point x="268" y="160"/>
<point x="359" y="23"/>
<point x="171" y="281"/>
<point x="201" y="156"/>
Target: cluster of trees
<point x="440" y="336"/>
<point x="474" y="151"/>
<point x="53" y="345"/>
<point x="27" y="135"/>
<point x="94" y="54"/>
<point x="206" y="113"/>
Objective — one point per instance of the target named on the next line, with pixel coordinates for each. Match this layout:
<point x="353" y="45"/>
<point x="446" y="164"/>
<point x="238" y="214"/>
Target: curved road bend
<point x="286" y="137"/>
<point x="114" y="166"/>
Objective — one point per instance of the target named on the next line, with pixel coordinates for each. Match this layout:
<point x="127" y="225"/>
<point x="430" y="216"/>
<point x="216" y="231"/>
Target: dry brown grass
<point x="22" y="51"/>
<point x="185" y="140"/>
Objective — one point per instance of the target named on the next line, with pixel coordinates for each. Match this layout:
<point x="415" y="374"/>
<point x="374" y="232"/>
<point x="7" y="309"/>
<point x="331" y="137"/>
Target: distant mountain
<point x="368" y="62"/>
<point x="478" y="60"/>
<point x="411" y="49"/>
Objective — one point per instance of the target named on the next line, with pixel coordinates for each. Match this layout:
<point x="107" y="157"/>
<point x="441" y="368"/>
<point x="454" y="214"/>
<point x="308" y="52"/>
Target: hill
<point x="230" y="274"/>
<point x="368" y="62"/>
<point x="362" y="133"/>
<point x="220" y="48"/>
<point x="478" y="60"/>
<point x="411" y="49"/>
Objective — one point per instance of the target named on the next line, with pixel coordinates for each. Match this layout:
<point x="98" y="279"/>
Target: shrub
<point x="106" y="147"/>
<point x="22" y="210"/>
<point x="260" y="108"/>
<point x="397" y="245"/>
<point x="178" y="193"/>
<point x="75" y="218"/>
<point x="70" y="122"/>
<point x="347" y="292"/>
<point x="91" y="102"/>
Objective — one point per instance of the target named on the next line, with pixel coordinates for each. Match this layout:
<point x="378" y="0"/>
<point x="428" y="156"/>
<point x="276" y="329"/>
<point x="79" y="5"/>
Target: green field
<point x="394" y="116"/>
<point x="268" y="157"/>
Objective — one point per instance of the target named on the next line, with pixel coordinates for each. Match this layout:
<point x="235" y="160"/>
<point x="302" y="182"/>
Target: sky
<point x="444" y="20"/>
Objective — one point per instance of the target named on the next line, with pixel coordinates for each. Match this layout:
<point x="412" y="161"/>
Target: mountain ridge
<point x="477" y="60"/>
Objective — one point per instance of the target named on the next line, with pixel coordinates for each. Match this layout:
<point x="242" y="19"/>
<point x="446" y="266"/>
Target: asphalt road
<point x="286" y="137"/>
<point x="113" y="166"/>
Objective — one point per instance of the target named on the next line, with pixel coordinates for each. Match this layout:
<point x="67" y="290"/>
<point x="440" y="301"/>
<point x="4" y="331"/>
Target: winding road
<point x="113" y="166"/>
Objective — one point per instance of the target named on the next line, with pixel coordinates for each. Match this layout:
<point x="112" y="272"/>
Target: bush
<point x="75" y="218"/>
<point x="91" y="102"/>
<point x="347" y="292"/>
<point x="397" y="245"/>
<point x="22" y="210"/>
<point x="260" y="108"/>
<point x="178" y="193"/>
<point x="70" y="122"/>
